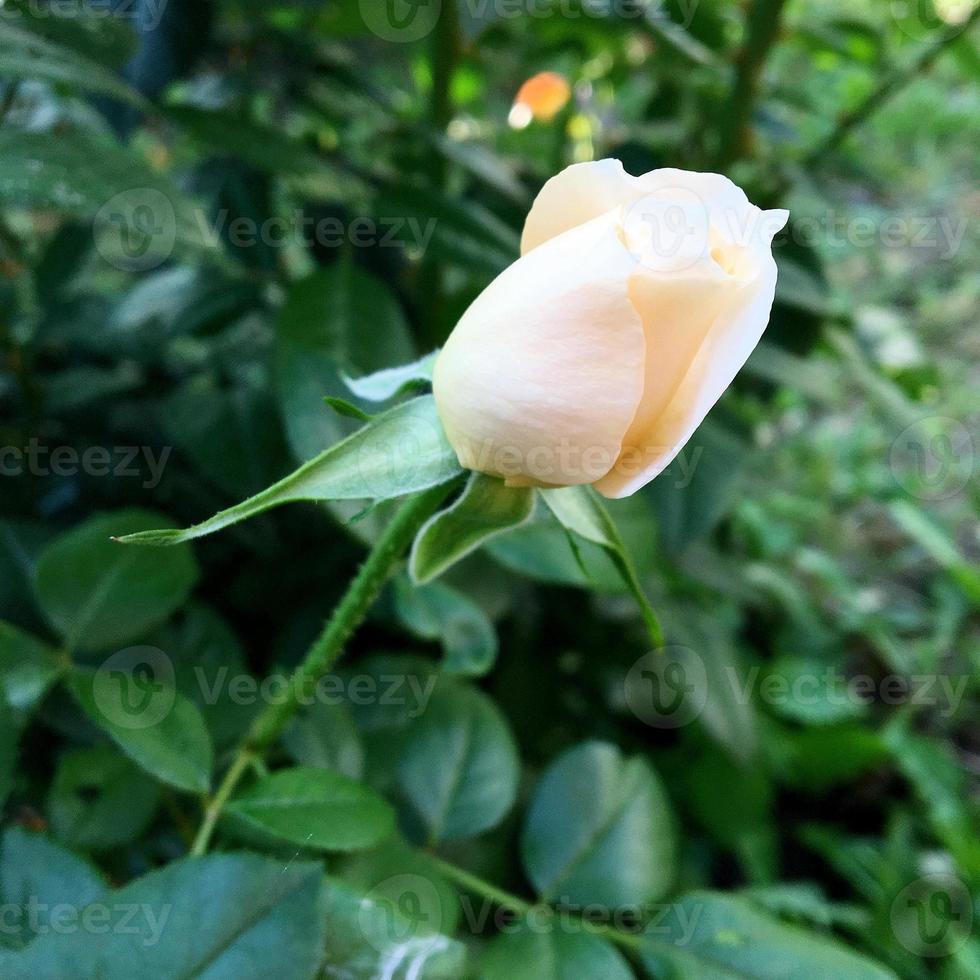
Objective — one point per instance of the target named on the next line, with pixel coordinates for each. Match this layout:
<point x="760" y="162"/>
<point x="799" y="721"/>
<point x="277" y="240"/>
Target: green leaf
<point x="321" y="337"/>
<point x="231" y="435"/>
<point x="387" y="932"/>
<point x="815" y="759"/>
<point x="261" y="146"/>
<point x="20" y="544"/>
<point x="347" y="409"/>
<point x="483" y="510"/>
<point x="26" y="54"/>
<point x="692" y="495"/>
<point x="810" y="692"/>
<point x="324" y="736"/>
<point x="458" y="765"/>
<point x="708" y="936"/>
<point x="28" y="668"/>
<point x="660" y="22"/>
<point x="388" y="382"/>
<point x="400" y="452"/>
<point x="529" y="954"/>
<point x="37" y="875"/>
<point x="939" y="545"/>
<point x="940" y="783"/>
<point x="207" y="660"/>
<point x="397" y="873"/>
<point x="599" y="830"/>
<point x="100" y="800"/>
<point x="718" y="687"/>
<point x="224" y="917"/>
<point x="111" y="41"/>
<point x="9" y="734"/>
<point x="800" y="288"/>
<point x="98" y="595"/>
<point x="581" y="512"/>
<point x="140" y="214"/>
<point x="398" y="691"/>
<point x="459" y="232"/>
<point x="735" y="804"/>
<point x="315" y="808"/>
<point x="158" y="728"/>
<point x="438" y="612"/>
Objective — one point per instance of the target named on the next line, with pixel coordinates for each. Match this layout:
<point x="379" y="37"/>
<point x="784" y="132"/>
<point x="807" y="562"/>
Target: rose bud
<point x="596" y="355"/>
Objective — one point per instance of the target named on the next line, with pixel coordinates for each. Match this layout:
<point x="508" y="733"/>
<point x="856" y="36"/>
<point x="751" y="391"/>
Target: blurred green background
<point x="211" y="211"/>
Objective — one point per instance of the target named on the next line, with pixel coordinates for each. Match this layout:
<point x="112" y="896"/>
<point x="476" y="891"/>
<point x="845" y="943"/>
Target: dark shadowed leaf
<point x="223" y="917"/>
<point x="458" y="764"/>
<point x="709" y="936"/>
<point x="599" y="830"/>
<point x="157" y="727"/>
<point x="97" y="594"/>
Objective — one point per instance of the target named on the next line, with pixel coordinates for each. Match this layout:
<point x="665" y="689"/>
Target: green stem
<point x="484" y="889"/>
<point x="761" y="31"/>
<point x="378" y="567"/>
<point x="215" y="806"/>
<point x="519" y="906"/>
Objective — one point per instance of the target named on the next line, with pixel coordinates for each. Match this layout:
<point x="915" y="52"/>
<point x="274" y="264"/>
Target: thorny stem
<point x="381" y="563"/>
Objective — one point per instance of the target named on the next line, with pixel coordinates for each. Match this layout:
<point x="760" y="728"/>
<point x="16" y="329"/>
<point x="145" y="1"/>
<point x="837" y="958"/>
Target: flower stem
<point x="519" y="906"/>
<point x="214" y="807"/>
<point x="484" y="889"/>
<point x="381" y="563"/>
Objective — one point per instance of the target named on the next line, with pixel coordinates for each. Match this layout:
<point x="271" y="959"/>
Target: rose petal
<point x="658" y="436"/>
<point x="542" y="376"/>
<point x="578" y="194"/>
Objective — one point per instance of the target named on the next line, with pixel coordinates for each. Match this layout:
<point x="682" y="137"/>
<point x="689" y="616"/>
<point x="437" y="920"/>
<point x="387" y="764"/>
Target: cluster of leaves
<point x="480" y="750"/>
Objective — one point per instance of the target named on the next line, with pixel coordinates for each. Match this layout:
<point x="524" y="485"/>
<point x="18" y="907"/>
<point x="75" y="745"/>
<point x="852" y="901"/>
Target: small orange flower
<point x="541" y="97"/>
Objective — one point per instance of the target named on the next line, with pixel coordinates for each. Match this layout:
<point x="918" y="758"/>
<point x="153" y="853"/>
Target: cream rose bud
<point x="595" y="356"/>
